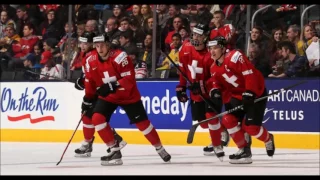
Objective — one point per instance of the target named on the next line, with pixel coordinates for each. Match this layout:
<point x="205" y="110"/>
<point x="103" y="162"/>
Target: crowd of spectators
<point x="36" y="37"/>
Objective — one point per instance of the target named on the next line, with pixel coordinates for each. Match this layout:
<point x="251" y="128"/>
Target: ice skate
<point x="85" y="149"/>
<point x="113" y="158"/>
<point x="219" y="152"/>
<point x="270" y="147"/>
<point x="208" y="150"/>
<point x="243" y="156"/>
<point x="118" y="138"/>
<point x="163" y="154"/>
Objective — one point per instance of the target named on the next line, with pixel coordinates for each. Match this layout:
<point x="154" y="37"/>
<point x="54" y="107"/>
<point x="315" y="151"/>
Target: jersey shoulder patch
<point x="120" y="57"/>
<point x="236" y="56"/>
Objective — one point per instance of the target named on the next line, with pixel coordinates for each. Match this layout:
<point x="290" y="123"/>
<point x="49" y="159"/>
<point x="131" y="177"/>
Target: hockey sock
<point x="214" y="130"/>
<point x="236" y="132"/>
<point x="258" y="132"/>
<point x="104" y="129"/>
<point x="88" y="128"/>
<point x="149" y="132"/>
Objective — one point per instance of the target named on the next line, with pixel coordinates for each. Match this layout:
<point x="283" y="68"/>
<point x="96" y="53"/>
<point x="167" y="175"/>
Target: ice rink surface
<point x="41" y="159"/>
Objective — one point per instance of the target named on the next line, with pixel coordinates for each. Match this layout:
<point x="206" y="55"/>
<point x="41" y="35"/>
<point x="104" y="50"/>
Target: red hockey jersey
<point x="118" y="67"/>
<point x="196" y="66"/>
<point x="236" y="74"/>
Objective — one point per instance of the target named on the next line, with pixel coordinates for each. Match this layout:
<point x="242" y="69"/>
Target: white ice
<point x="41" y="159"/>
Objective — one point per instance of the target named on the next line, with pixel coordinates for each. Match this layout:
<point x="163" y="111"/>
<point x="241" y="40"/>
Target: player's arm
<point x="90" y="89"/>
<point x="215" y="92"/>
<point x="181" y="88"/>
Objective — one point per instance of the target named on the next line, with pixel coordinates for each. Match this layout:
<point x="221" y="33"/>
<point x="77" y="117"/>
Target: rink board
<point x="50" y="111"/>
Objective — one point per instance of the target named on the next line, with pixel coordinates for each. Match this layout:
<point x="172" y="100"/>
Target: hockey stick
<point x="56" y="78"/>
<point x="187" y="79"/>
<point x="194" y="127"/>
<point x="71" y="138"/>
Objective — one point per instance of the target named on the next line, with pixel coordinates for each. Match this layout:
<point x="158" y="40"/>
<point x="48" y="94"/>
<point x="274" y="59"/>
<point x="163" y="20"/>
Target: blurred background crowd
<point x="280" y="40"/>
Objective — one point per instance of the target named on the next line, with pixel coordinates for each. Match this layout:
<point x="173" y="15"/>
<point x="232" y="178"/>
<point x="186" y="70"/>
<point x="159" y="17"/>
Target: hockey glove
<point x="216" y="98"/>
<point x="248" y="98"/>
<point x="197" y="88"/>
<point x="79" y="84"/>
<point x="181" y="93"/>
<point x="108" y="88"/>
<point x="87" y="104"/>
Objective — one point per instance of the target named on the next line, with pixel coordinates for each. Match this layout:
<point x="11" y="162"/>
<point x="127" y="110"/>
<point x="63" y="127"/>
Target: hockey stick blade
<point x="194" y="127"/>
<point x="71" y="139"/>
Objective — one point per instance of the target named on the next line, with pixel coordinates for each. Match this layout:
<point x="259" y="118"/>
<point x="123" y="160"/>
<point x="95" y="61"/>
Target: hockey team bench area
<point x="50" y="112"/>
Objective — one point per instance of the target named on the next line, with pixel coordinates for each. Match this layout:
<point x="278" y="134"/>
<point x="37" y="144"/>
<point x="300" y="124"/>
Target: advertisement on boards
<point x="39" y="105"/>
<point x="297" y="109"/>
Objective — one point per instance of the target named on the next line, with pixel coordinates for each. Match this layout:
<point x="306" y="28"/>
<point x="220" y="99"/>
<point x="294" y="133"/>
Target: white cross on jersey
<point x="194" y="70"/>
<point x="107" y="78"/>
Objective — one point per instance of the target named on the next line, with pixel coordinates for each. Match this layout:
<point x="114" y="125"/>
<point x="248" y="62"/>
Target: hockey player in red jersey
<point x="112" y="76"/>
<point x="87" y="50"/>
<point x="234" y="73"/>
<point x="195" y="62"/>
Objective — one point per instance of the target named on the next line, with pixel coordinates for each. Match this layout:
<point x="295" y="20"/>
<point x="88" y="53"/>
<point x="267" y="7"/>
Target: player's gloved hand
<point x="79" y="84"/>
<point x="181" y="93"/>
<point x="248" y="98"/>
<point x="197" y="88"/>
<point x="108" y="88"/>
<point x="87" y="104"/>
<point x="216" y="98"/>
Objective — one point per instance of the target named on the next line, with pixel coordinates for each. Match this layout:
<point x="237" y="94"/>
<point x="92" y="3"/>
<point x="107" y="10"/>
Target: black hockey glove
<point x="197" y="88"/>
<point x="181" y="93"/>
<point x="216" y="98"/>
<point x="87" y="104"/>
<point x="79" y="84"/>
<point x="248" y="98"/>
<point x="108" y="88"/>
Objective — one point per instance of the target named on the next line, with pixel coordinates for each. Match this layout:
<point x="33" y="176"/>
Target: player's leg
<point x="230" y="121"/>
<point x="138" y="116"/>
<point x="88" y="133"/>
<point x="100" y="119"/>
<point x="215" y="129"/>
<point x="122" y="143"/>
<point x="253" y="125"/>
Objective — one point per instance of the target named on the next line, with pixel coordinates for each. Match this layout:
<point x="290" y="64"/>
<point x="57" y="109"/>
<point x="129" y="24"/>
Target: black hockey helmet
<point x="101" y="38"/>
<point x="87" y="37"/>
<point x="201" y="29"/>
<point x="219" y="40"/>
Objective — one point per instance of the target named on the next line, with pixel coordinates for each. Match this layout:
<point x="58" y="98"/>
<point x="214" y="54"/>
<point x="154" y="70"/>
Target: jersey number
<point x="231" y="80"/>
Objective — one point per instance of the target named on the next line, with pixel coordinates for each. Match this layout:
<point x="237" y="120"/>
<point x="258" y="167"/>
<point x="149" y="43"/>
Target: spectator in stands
<point x="80" y="28"/>
<point x="124" y="24"/>
<point x="92" y="26"/>
<point x="74" y="52"/>
<point x="258" y="59"/>
<point x="184" y="33"/>
<point x="308" y="36"/>
<point x="126" y="40"/>
<point x="177" y="24"/>
<point x="112" y="30"/>
<point x="4" y="22"/>
<point x="222" y="29"/>
<point x="239" y="21"/>
<point x="38" y="50"/>
<point x="298" y="65"/>
<point x="11" y="11"/>
<point x="257" y="37"/>
<point x="52" y="71"/>
<point x="119" y="12"/>
<point x="203" y="14"/>
<point x="29" y="61"/>
<point x="277" y="37"/>
<point x="136" y="13"/>
<point x="293" y="34"/>
<point x="146" y="12"/>
<point x="163" y="15"/>
<point x="65" y="37"/>
<point x="138" y="34"/>
<point x="51" y="27"/>
<point x="24" y="18"/>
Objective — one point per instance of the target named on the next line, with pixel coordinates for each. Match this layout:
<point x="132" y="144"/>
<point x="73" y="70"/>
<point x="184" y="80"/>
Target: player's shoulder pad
<point x="236" y="56"/>
<point x="119" y="56"/>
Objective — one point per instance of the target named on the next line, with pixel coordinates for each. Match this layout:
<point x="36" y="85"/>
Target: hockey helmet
<point x="101" y="38"/>
<point x="87" y="37"/>
<point x="219" y="40"/>
<point x="200" y="29"/>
